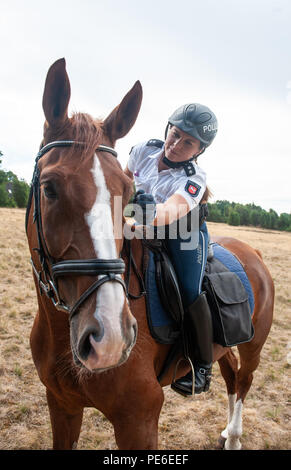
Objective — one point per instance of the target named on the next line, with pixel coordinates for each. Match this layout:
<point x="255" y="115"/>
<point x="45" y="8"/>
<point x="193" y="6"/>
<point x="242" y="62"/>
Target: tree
<point x="223" y="207"/>
<point x="255" y="217"/>
<point x="284" y="221"/>
<point x="13" y="192"/>
<point x="4" y="196"/>
<point x="20" y="192"/>
<point x="264" y="219"/>
<point x="214" y="213"/>
<point x="233" y="218"/>
<point x="273" y="218"/>
<point x="244" y="214"/>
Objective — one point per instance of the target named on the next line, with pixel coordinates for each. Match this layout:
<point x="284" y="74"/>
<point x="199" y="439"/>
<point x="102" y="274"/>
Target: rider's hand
<point x="145" y="211"/>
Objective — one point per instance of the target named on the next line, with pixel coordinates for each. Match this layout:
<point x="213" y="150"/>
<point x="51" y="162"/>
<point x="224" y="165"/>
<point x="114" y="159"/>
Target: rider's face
<point x="180" y="146"/>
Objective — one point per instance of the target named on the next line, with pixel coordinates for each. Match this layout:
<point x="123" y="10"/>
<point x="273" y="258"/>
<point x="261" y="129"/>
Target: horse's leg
<point x="136" y="422"/>
<point x="229" y="366"/>
<point x="249" y="361"/>
<point x="65" y="426"/>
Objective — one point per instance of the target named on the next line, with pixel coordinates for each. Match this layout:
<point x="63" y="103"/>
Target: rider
<point x="169" y="185"/>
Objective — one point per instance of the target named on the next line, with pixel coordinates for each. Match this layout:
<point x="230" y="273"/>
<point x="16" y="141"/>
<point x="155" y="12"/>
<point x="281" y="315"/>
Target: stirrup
<point x="193" y="377"/>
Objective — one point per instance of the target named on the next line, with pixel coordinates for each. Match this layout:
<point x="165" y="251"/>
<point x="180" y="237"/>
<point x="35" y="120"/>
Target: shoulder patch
<point x="192" y="188"/>
<point x="155" y="143"/>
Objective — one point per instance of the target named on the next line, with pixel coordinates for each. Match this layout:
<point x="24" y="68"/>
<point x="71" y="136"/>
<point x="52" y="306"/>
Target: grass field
<point x="184" y="424"/>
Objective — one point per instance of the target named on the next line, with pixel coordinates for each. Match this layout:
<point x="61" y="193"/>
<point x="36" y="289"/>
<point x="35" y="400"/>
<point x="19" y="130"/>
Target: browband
<point x="69" y="143"/>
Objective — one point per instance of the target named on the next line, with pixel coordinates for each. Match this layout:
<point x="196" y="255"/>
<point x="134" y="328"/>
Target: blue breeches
<point x="189" y="265"/>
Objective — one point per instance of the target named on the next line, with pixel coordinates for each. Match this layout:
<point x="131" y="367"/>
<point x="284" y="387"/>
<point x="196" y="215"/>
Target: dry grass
<point x="184" y="424"/>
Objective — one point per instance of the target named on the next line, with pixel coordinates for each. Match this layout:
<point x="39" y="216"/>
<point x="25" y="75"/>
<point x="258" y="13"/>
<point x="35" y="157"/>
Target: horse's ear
<point x="122" y="118"/>
<point x="56" y="95"/>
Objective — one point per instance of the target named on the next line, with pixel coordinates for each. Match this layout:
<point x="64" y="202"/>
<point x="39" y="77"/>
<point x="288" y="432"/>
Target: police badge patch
<point x="192" y="188"/>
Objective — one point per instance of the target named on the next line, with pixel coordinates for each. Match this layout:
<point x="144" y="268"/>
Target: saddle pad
<point x="233" y="264"/>
<point x="161" y="325"/>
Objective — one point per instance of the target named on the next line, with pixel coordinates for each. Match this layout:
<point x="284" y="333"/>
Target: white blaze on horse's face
<point x="110" y="296"/>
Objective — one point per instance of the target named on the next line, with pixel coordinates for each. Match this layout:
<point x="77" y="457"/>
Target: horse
<point x="90" y="342"/>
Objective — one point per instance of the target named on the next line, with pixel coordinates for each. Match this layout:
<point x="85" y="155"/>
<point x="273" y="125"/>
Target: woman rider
<point x="169" y="185"/>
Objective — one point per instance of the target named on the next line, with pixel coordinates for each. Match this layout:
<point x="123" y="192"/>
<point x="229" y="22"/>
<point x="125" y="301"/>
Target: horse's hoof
<point x="220" y="443"/>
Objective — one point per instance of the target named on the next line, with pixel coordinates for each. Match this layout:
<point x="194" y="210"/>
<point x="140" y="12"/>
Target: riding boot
<point x="198" y="330"/>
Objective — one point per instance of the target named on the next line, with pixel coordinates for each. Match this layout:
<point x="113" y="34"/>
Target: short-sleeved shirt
<point x="143" y="163"/>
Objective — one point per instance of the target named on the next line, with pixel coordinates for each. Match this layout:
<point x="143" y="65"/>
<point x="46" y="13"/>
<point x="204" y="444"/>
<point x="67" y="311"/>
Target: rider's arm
<point x="173" y="209"/>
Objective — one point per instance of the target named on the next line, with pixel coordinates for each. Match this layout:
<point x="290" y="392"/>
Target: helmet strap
<point x="200" y="153"/>
<point x="167" y="129"/>
<point x="176" y="164"/>
<point x="184" y="163"/>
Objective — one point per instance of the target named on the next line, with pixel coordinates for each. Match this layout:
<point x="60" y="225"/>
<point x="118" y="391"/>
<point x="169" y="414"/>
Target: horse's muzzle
<point x="98" y="350"/>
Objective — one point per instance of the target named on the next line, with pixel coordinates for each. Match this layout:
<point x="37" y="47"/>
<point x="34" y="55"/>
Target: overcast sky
<point x="232" y="55"/>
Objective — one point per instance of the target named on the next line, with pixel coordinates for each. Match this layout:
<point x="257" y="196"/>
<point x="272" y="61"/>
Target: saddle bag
<point x="230" y="309"/>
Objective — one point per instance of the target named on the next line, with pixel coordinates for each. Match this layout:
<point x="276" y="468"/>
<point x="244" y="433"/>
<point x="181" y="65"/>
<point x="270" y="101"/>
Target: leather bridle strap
<point x="92" y="288"/>
<point x="109" y="268"/>
<point x="88" y="267"/>
<point x="70" y="143"/>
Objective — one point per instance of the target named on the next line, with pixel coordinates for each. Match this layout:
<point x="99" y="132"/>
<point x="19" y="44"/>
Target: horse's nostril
<point x="98" y="335"/>
<point x="84" y="347"/>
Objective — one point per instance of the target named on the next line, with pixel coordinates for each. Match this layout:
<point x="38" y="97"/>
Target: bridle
<point x="109" y="269"/>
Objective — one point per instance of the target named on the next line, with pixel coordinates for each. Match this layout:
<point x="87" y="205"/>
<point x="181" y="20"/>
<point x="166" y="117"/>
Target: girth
<point x="107" y="270"/>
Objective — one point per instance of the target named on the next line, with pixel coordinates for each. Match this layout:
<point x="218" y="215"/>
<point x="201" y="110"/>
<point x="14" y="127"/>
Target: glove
<point x="146" y="207"/>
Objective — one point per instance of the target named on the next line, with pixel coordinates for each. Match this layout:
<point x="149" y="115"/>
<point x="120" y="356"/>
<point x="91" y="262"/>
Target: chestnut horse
<point x="85" y="343"/>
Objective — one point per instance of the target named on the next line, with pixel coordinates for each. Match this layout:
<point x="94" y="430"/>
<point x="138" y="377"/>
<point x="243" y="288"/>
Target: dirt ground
<point x="184" y="423"/>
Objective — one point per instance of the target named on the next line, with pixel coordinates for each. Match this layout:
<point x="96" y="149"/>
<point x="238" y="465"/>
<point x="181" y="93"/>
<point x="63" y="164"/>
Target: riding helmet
<point x="197" y="120"/>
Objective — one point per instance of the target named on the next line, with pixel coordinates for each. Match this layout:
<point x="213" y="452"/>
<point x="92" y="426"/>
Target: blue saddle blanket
<point x="161" y="325"/>
<point x="231" y="262"/>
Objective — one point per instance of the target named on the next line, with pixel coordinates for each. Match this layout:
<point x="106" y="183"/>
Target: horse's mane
<point x="86" y="130"/>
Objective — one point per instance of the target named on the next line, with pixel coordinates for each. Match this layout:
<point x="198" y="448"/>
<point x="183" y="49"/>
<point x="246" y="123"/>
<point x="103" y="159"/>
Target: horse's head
<point x="79" y="191"/>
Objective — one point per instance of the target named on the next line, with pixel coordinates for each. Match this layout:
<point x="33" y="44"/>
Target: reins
<point x="127" y="248"/>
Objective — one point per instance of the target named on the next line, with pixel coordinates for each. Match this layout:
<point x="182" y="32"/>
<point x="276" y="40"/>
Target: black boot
<point x="198" y="328"/>
<point x="202" y="381"/>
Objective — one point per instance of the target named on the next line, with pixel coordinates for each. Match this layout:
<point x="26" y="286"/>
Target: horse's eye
<point x="49" y="190"/>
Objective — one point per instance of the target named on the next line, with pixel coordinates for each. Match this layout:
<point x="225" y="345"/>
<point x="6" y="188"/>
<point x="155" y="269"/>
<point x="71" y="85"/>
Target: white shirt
<point x="143" y="163"/>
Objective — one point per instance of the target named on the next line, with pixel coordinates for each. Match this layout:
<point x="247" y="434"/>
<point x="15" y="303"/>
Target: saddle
<point x="228" y="291"/>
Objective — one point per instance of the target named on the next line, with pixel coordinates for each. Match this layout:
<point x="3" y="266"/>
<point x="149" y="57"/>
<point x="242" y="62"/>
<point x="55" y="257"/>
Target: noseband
<point x="109" y="269"/>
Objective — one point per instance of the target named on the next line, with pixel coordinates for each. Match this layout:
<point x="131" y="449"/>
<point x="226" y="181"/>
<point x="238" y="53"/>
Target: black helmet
<point x="197" y="120"/>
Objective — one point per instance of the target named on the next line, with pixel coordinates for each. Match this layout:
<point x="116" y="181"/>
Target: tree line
<point x="13" y="191"/>
<point x="233" y="213"/>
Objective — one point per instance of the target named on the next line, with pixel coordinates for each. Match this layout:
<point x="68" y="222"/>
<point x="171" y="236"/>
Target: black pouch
<point x="230" y="309"/>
